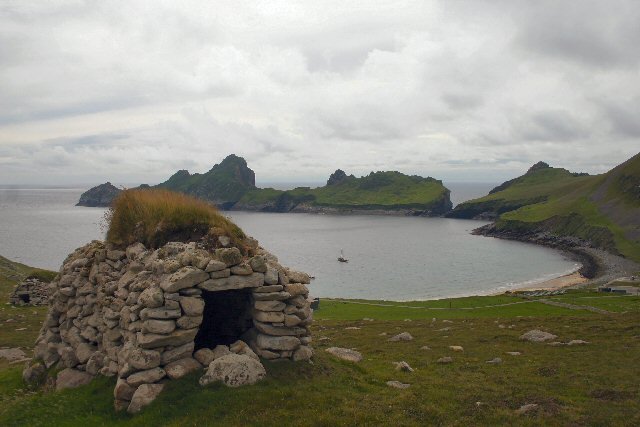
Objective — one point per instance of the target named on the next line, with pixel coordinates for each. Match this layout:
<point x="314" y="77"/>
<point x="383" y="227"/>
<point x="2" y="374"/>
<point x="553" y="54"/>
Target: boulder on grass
<point x="234" y="370"/>
<point x="72" y="378"/>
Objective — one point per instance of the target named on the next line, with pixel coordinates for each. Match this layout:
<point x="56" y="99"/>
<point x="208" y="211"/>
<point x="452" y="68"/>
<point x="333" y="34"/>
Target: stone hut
<point x="31" y="291"/>
<point x="148" y="316"/>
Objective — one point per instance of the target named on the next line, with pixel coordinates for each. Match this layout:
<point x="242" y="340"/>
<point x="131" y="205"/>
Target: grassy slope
<point x="573" y="385"/>
<point x="380" y="190"/>
<point x="603" y="208"/>
<point x="23" y="317"/>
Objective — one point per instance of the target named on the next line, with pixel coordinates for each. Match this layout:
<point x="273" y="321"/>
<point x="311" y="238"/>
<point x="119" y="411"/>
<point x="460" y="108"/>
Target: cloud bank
<point x="466" y="90"/>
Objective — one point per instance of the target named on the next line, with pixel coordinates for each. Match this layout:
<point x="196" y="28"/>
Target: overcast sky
<point x="132" y="91"/>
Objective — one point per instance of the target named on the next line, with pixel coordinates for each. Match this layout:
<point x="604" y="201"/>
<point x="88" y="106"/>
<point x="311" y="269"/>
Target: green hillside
<point x="602" y="209"/>
<point x="224" y="184"/>
<point x="376" y="191"/>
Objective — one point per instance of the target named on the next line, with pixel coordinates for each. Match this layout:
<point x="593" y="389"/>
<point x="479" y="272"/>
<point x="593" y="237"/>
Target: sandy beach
<point x="558" y="283"/>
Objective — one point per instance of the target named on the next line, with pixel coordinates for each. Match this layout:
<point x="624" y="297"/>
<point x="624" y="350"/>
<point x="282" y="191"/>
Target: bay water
<point x="394" y="258"/>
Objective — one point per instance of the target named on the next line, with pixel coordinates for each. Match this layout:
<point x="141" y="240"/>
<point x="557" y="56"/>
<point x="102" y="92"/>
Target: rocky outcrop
<point x="139" y="314"/>
<point x="99" y="196"/>
<point x="338" y="177"/>
<point x="224" y="184"/>
<point x="31" y="291"/>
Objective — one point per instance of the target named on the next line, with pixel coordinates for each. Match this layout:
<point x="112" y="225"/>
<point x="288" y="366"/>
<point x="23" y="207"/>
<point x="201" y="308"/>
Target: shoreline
<point x="561" y="282"/>
<point x="598" y="265"/>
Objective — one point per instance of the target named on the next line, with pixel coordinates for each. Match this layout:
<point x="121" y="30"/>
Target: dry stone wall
<point x="136" y="313"/>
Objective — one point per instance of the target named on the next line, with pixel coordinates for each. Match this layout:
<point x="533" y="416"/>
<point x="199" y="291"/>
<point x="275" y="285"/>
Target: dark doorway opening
<point x="227" y="315"/>
<point x="25" y="298"/>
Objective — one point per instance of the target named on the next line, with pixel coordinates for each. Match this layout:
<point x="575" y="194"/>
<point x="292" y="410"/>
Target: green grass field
<point x="592" y="384"/>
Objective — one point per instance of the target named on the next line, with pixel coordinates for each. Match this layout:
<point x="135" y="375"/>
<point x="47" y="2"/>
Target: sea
<point x="390" y="258"/>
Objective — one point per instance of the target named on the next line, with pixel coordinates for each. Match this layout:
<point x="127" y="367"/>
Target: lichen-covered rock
<point x="122" y="390"/>
<point x="34" y="374"/>
<point x="151" y="298"/>
<point x="234" y="370"/>
<point x="345" y="354"/>
<point x="192" y="306"/>
<point x="252" y="280"/>
<point x="298" y="277"/>
<point x="278" y="343"/>
<point x="144" y="359"/>
<point x="230" y="256"/>
<point x="182" y="367"/>
<point x="186" y="277"/>
<point x="302" y="354"/>
<point x="143" y="396"/>
<point x="176" y="338"/>
<point x="536" y="335"/>
<point x="258" y="264"/>
<point x="404" y="336"/>
<point x="146" y="377"/>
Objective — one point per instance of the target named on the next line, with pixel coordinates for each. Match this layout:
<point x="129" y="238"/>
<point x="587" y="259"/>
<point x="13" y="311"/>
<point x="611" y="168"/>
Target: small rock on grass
<point x="398" y="384"/>
<point x="345" y="354"/>
<point x="524" y="409"/>
<point x="404" y="336"/>
<point x="445" y="360"/>
<point x="577" y="342"/>
<point x="425" y="347"/>
<point x="352" y="328"/>
<point x="495" y="361"/>
<point x="457" y="348"/>
<point x="403" y="366"/>
<point x="514" y="353"/>
<point x="12" y="354"/>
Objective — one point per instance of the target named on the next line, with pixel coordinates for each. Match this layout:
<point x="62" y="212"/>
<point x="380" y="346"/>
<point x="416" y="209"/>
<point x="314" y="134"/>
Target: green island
<point x="571" y="385"/>
<point x="378" y="192"/>
<point x="230" y="185"/>
<point x="595" y="210"/>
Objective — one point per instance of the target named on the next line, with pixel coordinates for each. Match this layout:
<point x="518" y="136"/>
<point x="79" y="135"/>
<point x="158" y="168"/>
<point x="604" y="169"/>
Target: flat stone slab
<point x="253" y="280"/>
<point x="345" y="354"/>
<point x="186" y="277"/>
<point x="176" y="338"/>
<point x="12" y="354"/>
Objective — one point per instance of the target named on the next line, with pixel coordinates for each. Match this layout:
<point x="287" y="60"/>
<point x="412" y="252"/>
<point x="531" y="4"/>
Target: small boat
<point x="341" y="258"/>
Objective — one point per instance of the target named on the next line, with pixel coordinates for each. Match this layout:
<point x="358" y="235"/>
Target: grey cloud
<point x="469" y="87"/>
<point x="593" y="33"/>
<point x="462" y="101"/>
<point x="551" y="125"/>
<point x="623" y="117"/>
